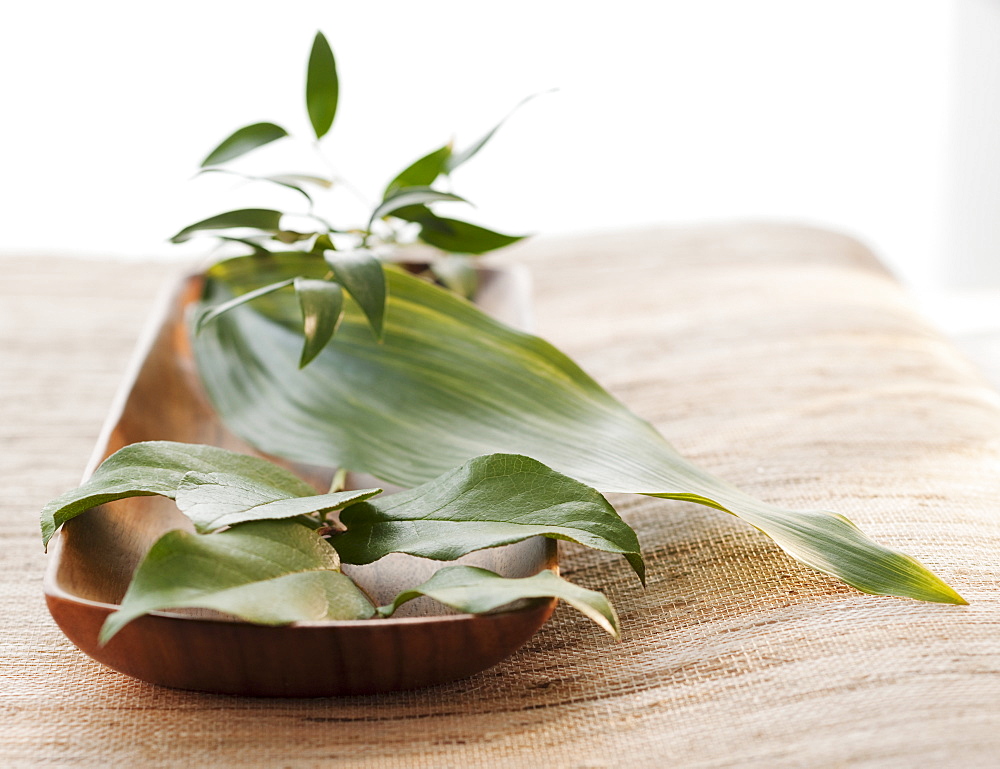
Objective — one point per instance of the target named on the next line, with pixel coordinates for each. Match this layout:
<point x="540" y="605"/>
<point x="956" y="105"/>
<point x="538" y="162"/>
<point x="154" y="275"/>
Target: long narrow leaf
<point x="488" y="502"/>
<point x="361" y="275"/>
<point x="410" y="196"/>
<point x="269" y="572"/>
<point x="265" y="219"/>
<point x="462" y="237"/>
<point x="242" y="141"/>
<point x="322" y="86"/>
<point x="448" y="383"/>
<point x="214" y="312"/>
<point x="322" y="303"/>
<point x="476" y="591"/>
<point x="458" y="158"/>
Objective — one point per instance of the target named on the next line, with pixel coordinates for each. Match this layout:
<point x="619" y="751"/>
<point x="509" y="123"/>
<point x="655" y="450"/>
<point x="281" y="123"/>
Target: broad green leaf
<point x="291" y="236"/>
<point x="268" y="572"/>
<point x="448" y="383"/>
<point x="420" y="173"/>
<point x="157" y="468"/>
<point x="456" y="273"/>
<point x="410" y="196"/>
<point x="264" y="219"/>
<point x="215" y="500"/>
<point x="322" y="303"/>
<point x="361" y="275"/>
<point x="476" y="591"/>
<point x="243" y="140"/>
<point x="458" y="158"/>
<point x="322" y="86"/>
<point x="487" y="502"/>
<point x="462" y="237"/>
<point x="214" y="312"/>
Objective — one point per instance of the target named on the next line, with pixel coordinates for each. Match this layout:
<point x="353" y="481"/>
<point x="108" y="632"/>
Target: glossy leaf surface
<point x="488" y="502"/>
<point x="476" y="591"/>
<point x="421" y="173"/>
<point x="322" y="303"/>
<point x="268" y="572"/>
<point x="361" y="275"/>
<point x="462" y="237"/>
<point x="448" y="383"/>
<point x="411" y="196"/>
<point x="265" y="219"/>
<point x="322" y="86"/>
<point x="243" y="140"/>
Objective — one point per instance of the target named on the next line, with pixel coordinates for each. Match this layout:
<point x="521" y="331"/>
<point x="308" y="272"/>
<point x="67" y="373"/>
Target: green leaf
<point x="243" y="140"/>
<point x="420" y="173"/>
<point x="462" y="237"/>
<point x="487" y="502"/>
<point x="456" y="273"/>
<point x="268" y="572"/>
<point x="264" y="219"/>
<point x="447" y="383"/>
<point x="157" y="468"/>
<point x="362" y="276"/>
<point x="458" y="158"/>
<point x="214" y="500"/>
<point x="295" y="180"/>
<point x="476" y="591"/>
<point x="410" y="196"/>
<point x="322" y="86"/>
<point x="212" y="313"/>
<point x="322" y="303"/>
<point x="258" y="249"/>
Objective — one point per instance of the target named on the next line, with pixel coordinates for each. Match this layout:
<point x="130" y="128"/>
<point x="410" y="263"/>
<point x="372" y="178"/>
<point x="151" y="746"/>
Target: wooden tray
<point x="92" y="559"/>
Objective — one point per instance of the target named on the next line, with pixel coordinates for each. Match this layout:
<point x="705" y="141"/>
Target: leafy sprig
<point x="353" y="252"/>
<point x="259" y="550"/>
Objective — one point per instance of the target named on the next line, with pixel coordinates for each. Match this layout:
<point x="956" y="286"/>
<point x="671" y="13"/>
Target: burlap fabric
<point x="784" y="359"/>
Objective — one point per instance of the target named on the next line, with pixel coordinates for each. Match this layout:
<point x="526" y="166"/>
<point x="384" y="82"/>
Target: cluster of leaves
<point x="448" y="383"/>
<point x="352" y="255"/>
<point x="272" y="558"/>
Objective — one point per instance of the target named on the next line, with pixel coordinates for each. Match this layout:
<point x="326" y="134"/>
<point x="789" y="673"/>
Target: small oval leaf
<point x="265" y="219"/>
<point x="322" y="304"/>
<point x="362" y="276"/>
<point x="476" y="591"/>
<point x="243" y="140"/>
<point x="322" y="86"/>
<point x="421" y="172"/>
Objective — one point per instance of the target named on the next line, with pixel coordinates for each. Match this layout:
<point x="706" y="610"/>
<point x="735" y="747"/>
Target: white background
<point x="867" y="116"/>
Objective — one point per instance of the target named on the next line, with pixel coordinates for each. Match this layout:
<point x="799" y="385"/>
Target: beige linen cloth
<point x="784" y="359"/>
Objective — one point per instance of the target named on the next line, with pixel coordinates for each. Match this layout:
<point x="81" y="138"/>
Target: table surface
<point x="782" y="358"/>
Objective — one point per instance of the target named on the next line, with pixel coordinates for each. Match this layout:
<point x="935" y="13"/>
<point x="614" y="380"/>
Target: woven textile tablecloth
<point x="784" y="359"/>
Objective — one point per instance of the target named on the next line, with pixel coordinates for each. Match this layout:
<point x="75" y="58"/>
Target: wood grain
<point x="93" y="557"/>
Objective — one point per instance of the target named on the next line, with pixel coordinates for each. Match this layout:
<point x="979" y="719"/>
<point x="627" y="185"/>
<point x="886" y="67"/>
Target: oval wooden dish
<point x="93" y="556"/>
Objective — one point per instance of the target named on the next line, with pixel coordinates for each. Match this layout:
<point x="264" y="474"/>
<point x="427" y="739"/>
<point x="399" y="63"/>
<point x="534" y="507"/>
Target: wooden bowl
<point x="92" y="559"/>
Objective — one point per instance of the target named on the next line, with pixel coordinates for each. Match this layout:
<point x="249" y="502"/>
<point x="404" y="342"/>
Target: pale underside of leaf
<point x="214" y="500"/>
<point x="447" y="383"/>
<point x="477" y="591"/>
<point x="268" y="572"/>
<point x="157" y="468"/>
